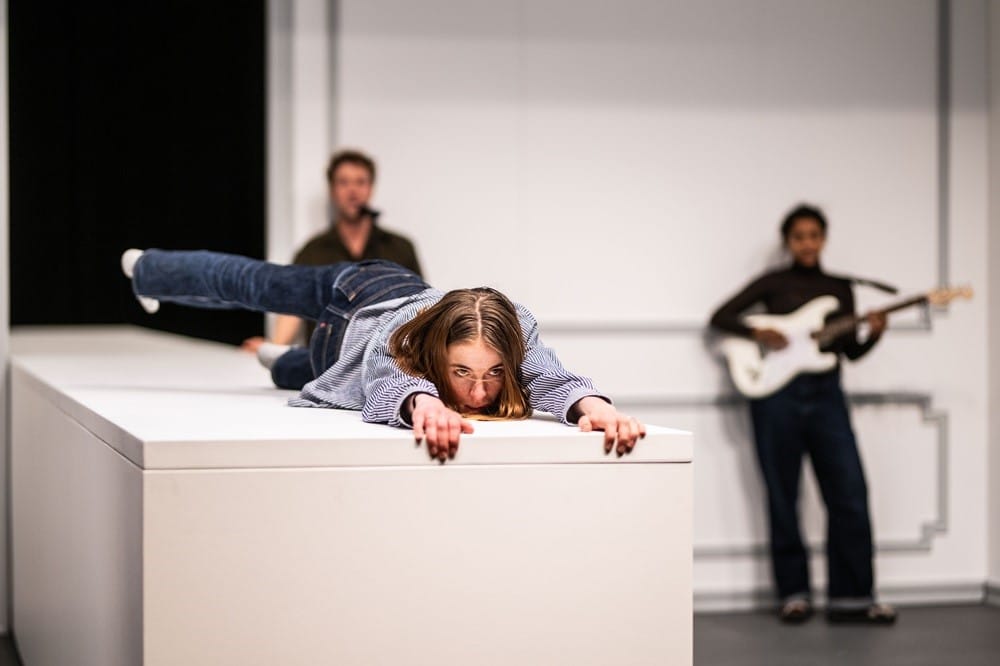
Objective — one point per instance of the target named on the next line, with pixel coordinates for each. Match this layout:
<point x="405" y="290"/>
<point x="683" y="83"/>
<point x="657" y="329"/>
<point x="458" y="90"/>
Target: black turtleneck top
<point x="784" y="291"/>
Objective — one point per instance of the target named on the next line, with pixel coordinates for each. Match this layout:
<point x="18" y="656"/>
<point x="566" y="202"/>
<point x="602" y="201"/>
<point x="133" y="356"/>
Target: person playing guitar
<point x="808" y="415"/>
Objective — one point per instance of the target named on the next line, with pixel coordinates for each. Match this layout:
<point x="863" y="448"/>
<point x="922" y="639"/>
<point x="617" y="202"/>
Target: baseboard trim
<point x="902" y="595"/>
<point x="726" y="602"/>
<point x="992" y="593"/>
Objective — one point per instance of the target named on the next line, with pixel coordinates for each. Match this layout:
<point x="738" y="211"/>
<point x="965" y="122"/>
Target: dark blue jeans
<point x="293" y="369"/>
<point x="329" y="295"/>
<point x="809" y="416"/>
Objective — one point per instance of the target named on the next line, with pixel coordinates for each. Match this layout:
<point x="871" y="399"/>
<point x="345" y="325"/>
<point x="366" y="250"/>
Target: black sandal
<point x="795" y="611"/>
<point x="874" y="614"/>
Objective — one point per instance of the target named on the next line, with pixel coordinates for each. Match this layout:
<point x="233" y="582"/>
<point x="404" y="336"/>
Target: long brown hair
<point x="420" y="346"/>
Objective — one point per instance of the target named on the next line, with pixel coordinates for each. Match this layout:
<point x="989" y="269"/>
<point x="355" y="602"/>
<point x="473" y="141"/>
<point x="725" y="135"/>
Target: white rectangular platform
<point x="169" y="508"/>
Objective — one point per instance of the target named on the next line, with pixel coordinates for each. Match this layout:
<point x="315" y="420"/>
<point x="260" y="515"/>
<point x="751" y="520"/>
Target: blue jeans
<point x="329" y="295"/>
<point x="293" y="369"/>
<point x="809" y="416"/>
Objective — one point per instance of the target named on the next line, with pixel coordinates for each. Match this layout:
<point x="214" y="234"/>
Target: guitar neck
<point x="901" y="305"/>
<point x="842" y="325"/>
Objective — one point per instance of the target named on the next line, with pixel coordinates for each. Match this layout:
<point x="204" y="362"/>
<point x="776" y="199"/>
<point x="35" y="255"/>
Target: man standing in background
<point x="354" y="235"/>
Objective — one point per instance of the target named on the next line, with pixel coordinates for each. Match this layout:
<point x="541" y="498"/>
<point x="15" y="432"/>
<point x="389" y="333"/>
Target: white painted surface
<point x="254" y="533"/>
<point x="77" y="526"/>
<point x="993" y="515"/>
<point x="4" y="311"/>
<point x="168" y="402"/>
<point x="644" y="153"/>
<point x="543" y="564"/>
<point x="299" y="123"/>
<point x="585" y="136"/>
<point x="281" y="106"/>
<point x="963" y="383"/>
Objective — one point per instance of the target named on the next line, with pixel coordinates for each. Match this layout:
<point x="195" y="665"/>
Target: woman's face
<point x="805" y="241"/>
<point x="475" y="374"/>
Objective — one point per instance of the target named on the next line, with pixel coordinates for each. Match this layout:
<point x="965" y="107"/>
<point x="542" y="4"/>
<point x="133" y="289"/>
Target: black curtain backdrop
<point x="132" y="124"/>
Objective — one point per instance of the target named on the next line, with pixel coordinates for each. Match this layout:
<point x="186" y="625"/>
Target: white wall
<point x="4" y="313"/>
<point x="300" y="122"/>
<point x="622" y="168"/>
<point x="964" y="340"/>
<point x="994" y="301"/>
<point x="586" y="128"/>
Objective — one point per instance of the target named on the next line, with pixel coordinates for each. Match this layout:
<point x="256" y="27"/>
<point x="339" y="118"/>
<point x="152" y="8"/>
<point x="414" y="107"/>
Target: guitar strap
<point x="868" y="283"/>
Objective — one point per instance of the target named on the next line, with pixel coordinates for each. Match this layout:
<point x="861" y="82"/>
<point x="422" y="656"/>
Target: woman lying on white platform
<point x="390" y="345"/>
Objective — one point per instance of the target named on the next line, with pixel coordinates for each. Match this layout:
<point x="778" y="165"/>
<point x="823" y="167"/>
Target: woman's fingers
<point x="438" y="445"/>
<point x="443" y="429"/>
<point x="431" y="432"/>
<point x="610" y="435"/>
<point x="418" y="426"/>
<point x="609" y="426"/>
<point x="629" y="431"/>
<point x="621" y="432"/>
<point x="454" y="432"/>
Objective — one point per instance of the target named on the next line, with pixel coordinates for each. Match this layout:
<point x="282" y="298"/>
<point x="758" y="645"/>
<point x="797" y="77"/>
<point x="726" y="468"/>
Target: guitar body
<point x="757" y="374"/>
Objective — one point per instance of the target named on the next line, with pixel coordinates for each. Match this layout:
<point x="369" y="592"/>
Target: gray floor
<point x="926" y="636"/>
<point x="938" y="636"/>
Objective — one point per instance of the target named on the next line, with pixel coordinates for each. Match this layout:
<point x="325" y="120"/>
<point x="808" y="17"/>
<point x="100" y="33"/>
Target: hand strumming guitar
<point x="770" y="338"/>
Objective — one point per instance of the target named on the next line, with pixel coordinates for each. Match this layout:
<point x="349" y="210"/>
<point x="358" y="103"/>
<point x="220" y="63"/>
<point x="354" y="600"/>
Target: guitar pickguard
<point x="757" y="373"/>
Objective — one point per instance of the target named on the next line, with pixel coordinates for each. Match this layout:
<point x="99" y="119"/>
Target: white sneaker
<point x="129" y="257"/>
<point x="268" y="353"/>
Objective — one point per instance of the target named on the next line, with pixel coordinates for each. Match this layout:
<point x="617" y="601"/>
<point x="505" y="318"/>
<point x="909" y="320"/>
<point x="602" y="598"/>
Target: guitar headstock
<point x="945" y="295"/>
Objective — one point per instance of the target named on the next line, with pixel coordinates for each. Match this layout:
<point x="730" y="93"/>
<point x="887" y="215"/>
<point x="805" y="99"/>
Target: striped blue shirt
<point x="366" y="376"/>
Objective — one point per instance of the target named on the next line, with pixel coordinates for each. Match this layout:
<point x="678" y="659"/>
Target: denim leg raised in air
<point x="329" y="295"/>
<point x="220" y="281"/>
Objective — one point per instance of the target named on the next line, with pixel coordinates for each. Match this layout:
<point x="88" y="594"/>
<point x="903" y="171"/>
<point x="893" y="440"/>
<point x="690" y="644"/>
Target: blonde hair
<point x="420" y="346"/>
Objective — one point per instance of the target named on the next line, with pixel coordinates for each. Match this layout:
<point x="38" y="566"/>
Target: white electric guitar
<point x="758" y="372"/>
